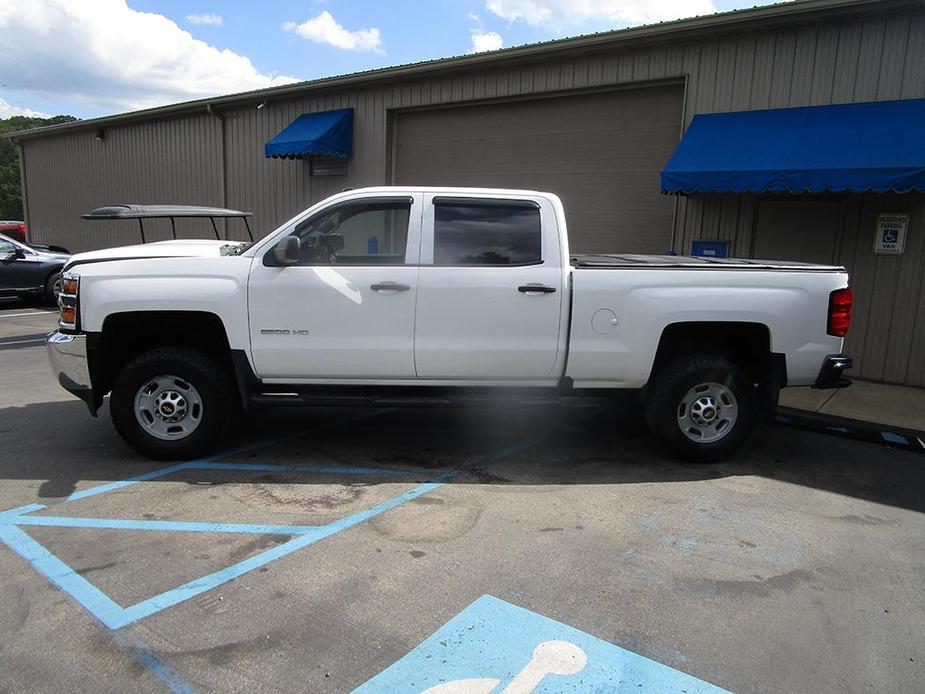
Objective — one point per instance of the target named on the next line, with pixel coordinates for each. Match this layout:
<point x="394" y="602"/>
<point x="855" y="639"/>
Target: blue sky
<point x="95" y="57"/>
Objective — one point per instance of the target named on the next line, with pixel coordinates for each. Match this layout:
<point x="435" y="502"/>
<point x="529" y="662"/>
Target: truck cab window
<point x="492" y="233"/>
<point x="368" y="232"/>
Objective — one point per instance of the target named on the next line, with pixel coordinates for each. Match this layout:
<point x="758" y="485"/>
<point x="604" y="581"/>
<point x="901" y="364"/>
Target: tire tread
<point x="214" y="385"/>
<point x="661" y="406"/>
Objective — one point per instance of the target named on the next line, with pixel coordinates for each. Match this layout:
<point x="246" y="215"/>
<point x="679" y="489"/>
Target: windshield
<point x="4" y="237"/>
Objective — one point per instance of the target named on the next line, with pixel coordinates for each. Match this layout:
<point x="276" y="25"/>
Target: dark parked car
<point x="30" y="271"/>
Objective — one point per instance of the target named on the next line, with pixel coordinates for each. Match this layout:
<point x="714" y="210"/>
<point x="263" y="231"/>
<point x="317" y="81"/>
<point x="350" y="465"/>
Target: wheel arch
<point x="746" y="344"/>
<point x="53" y="270"/>
<point x="125" y="335"/>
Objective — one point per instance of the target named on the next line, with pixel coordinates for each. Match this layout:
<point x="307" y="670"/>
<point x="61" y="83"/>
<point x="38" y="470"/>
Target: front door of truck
<point x="491" y="296"/>
<point x="346" y="310"/>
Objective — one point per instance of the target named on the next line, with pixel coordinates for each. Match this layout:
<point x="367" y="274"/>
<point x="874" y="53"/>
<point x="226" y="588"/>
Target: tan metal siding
<point x="874" y="59"/>
<point x="600" y="152"/>
<point x="915" y="299"/>
<point x="887" y="338"/>
<point x="808" y="62"/>
<point x="171" y="161"/>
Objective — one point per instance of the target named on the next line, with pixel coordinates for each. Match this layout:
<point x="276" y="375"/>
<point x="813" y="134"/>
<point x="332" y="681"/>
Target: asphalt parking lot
<point x="457" y="551"/>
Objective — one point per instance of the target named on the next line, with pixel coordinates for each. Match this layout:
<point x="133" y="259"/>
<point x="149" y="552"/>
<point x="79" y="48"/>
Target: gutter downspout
<point x="223" y="179"/>
<point x="677" y="196"/>
<point x="25" y="196"/>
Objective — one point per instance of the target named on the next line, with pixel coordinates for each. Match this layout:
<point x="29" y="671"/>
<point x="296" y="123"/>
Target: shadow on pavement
<point x="60" y="444"/>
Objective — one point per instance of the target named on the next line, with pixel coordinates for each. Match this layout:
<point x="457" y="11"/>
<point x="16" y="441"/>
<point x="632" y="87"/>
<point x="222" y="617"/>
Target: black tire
<point x="212" y="385"/>
<point x="51" y="296"/>
<point x="666" y="394"/>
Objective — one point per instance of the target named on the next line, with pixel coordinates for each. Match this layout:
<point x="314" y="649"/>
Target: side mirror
<point x="19" y="253"/>
<point x="288" y="250"/>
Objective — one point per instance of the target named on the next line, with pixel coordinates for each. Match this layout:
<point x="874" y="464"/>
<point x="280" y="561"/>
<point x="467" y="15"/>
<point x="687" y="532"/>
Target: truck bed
<point x="682" y="262"/>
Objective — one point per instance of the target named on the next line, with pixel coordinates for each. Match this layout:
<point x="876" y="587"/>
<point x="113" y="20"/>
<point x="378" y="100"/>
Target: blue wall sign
<point x="494" y="647"/>
<point x="710" y="249"/>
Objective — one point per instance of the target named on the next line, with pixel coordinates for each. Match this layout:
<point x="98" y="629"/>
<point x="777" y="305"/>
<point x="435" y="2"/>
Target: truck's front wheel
<point x="171" y="403"/>
<point x="703" y="407"/>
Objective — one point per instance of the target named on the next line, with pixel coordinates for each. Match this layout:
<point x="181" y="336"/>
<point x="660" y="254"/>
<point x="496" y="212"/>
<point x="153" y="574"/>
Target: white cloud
<point x="209" y="18"/>
<point x="103" y="54"/>
<point x="325" y="29"/>
<point x="8" y="110"/>
<point x="486" y="41"/>
<point x="559" y="14"/>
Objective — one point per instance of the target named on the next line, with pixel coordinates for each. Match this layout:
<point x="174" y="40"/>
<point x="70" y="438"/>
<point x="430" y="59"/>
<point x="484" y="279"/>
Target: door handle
<point x="389" y="287"/>
<point x="535" y="288"/>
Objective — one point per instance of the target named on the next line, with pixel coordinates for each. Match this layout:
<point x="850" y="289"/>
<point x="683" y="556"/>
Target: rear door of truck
<point x="491" y="290"/>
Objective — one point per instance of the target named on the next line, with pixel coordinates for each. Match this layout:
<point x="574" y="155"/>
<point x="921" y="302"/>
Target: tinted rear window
<point x="489" y="234"/>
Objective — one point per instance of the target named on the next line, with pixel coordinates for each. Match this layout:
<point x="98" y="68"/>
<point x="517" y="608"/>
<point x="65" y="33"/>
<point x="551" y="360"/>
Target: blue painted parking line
<point x="494" y="647"/>
<point x="207" y="462"/>
<point x="240" y="467"/>
<point x="162" y="526"/>
<point x="137" y="650"/>
<point x="98" y="603"/>
<point x="16" y="512"/>
<point x="115" y="616"/>
<point x="95" y="601"/>
<point x="895" y="437"/>
<point x="320" y="469"/>
<point x="113" y="486"/>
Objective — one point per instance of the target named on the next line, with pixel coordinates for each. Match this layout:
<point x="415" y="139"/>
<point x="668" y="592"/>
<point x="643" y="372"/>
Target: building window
<point x="327" y="166"/>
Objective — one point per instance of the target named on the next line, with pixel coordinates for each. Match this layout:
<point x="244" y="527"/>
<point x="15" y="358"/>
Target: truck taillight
<point x="840" y="312"/>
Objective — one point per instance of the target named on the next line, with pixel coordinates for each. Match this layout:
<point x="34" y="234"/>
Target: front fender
<point x="206" y="285"/>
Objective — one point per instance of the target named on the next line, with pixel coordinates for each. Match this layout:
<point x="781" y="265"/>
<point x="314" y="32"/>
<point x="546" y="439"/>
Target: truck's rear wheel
<point x="171" y="403"/>
<point x="703" y="407"/>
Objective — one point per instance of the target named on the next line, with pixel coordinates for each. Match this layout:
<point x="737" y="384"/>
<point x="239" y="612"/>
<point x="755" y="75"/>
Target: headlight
<point x="67" y="301"/>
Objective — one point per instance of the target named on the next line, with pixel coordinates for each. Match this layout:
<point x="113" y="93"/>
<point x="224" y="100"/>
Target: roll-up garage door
<point x="600" y="152"/>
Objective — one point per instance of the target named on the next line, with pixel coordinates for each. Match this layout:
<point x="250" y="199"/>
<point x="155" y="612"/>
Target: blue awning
<point x="875" y="146"/>
<point x="325" y="134"/>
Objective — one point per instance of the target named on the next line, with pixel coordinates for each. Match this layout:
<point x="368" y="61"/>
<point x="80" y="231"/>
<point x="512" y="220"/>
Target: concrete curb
<point x="872" y="432"/>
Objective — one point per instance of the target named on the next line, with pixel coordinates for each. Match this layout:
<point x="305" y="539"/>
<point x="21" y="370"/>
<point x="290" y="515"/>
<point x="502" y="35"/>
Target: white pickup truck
<point x="436" y="295"/>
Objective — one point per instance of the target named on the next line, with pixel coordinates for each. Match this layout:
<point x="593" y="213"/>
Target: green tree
<point x="10" y="186"/>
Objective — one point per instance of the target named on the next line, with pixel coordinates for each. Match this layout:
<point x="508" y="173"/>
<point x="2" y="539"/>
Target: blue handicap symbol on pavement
<point x="494" y="647"/>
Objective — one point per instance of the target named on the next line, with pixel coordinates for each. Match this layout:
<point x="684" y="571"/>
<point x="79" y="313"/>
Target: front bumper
<point x="70" y="365"/>
<point x="832" y="373"/>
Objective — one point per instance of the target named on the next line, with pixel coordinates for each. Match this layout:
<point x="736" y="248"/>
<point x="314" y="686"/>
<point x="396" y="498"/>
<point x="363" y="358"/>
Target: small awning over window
<point x="876" y="146"/>
<point x="325" y="134"/>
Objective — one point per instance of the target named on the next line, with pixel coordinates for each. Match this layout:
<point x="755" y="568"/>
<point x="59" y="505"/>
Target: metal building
<point x="594" y="119"/>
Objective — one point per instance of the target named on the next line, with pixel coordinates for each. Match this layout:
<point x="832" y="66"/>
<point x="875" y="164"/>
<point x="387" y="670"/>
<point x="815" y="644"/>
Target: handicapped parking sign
<point x="891" y="233"/>
<point x="494" y="647"/>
